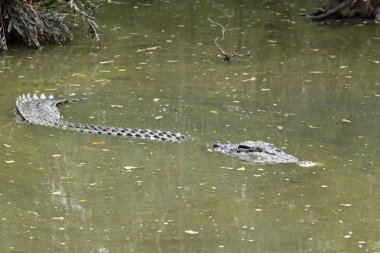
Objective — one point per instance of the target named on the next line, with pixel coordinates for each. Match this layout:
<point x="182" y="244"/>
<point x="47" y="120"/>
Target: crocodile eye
<point x="216" y="144"/>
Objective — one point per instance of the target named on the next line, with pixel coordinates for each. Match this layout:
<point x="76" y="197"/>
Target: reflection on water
<point x="311" y="89"/>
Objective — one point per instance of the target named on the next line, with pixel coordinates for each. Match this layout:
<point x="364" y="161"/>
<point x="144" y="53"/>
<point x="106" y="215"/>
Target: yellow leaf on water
<point x="105" y="62"/>
<point x="81" y="201"/>
<point x="97" y="142"/>
<point x="152" y="48"/>
<point x="253" y="78"/>
<point x="130" y="167"/>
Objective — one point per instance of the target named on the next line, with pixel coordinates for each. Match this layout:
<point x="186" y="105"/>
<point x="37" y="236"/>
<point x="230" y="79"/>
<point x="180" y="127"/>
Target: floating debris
<point x="191" y="232"/>
<point x="106" y="62"/>
<point x="130" y="167"/>
<point x="58" y="218"/>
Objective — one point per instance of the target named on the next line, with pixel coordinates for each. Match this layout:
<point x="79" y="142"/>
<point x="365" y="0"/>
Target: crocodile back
<point x="42" y="110"/>
<point x="39" y="110"/>
<point x="126" y="132"/>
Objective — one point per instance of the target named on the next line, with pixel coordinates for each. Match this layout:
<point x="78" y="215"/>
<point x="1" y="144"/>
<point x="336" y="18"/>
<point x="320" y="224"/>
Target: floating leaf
<point x="346" y="120"/>
<point x="314" y="127"/>
<point x="58" y="218"/>
<point x="106" y="62"/>
<point x="191" y="232"/>
<point x="97" y="142"/>
<point x="130" y="167"/>
<point x="81" y="201"/>
<point x="253" y="78"/>
<point x="152" y="48"/>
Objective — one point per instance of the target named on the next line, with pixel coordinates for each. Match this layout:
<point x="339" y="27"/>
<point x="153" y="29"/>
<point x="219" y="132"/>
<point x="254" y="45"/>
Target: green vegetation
<point x="35" y="22"/>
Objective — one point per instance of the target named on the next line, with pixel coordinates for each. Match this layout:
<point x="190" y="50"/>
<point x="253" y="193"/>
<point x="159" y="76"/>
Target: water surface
<point x="312" y="89"/>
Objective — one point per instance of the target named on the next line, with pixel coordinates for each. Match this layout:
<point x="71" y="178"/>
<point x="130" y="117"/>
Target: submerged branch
<point x="225" y="56"/>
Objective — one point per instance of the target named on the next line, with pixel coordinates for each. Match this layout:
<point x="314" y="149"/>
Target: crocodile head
<point x="255" y="152"/>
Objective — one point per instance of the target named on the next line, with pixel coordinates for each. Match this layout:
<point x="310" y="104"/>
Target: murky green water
<point x="313" y="89"/>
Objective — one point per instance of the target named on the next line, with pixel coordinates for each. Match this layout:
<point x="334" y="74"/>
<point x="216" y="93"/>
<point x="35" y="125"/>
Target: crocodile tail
<point x="126" y="132"/>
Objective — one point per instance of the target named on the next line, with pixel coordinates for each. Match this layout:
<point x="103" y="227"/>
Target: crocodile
<point x="258" y="152"/>
<point x="43" y="110"/>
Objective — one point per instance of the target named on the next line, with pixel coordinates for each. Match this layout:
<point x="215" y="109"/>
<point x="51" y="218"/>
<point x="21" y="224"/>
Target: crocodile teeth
<point x="24" y="98"/>
<point x="29" y="97"/>
<point x="35" y="96"/>
<point x="42" y="96"/>
<point x="51" y="96"/>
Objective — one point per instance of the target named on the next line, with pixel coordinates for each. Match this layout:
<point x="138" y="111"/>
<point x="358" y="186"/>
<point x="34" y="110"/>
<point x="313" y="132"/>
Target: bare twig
<point x="93" y="27"/>
<point x="221" y="26"/>
<point x="225" y="56"/>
